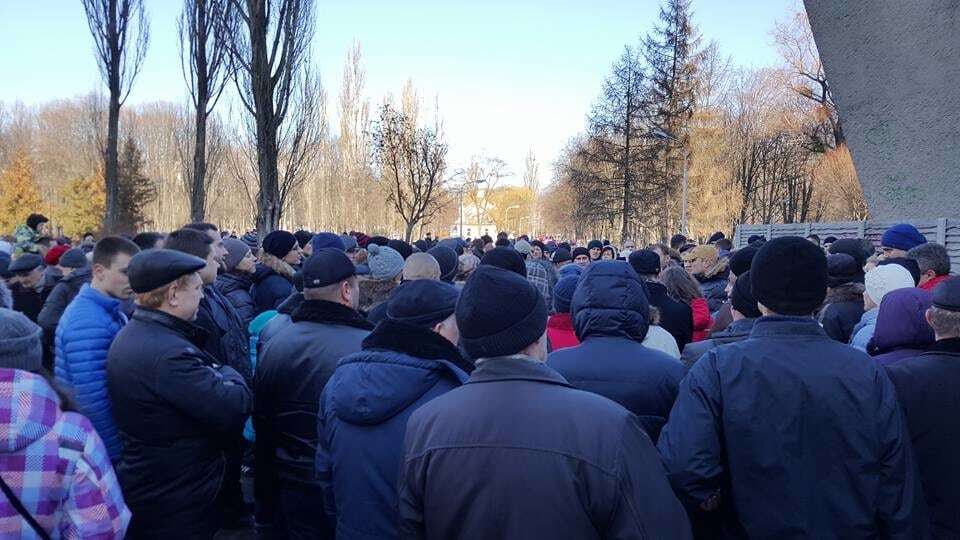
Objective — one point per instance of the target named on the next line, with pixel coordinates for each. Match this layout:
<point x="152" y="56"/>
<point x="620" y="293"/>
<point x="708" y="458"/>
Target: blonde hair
<point x="155" y="298"/>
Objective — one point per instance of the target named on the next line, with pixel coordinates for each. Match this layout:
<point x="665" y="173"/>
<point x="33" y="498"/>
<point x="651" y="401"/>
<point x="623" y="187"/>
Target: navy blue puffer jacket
<point x="611" y="318"/>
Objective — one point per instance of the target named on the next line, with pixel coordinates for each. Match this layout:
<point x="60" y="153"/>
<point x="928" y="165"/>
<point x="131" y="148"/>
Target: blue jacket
<point x="516" y="452"/>
<point x="236" y="289"/>
<point x="611" y="318"/>
<point x="269" y="289"/>
<point x="363" y="417"/>
<point x="793" y="435"/>
<point x="83" y="338"/>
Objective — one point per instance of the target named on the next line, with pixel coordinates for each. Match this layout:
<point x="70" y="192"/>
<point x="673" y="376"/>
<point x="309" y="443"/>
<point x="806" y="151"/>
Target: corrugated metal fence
<point x="942" y="231"/>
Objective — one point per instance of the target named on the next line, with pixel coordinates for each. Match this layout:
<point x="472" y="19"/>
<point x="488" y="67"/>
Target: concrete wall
<point x="894" y="68"/>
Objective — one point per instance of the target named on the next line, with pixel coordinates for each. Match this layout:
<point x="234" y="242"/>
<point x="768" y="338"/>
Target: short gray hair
<point x="944" y="322"/>
<point x="931" y="256"/>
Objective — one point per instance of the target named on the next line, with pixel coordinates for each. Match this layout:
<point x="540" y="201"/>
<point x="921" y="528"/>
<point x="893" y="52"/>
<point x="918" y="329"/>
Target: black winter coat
<point x="610" y="316"/>
<point x="292" y="371"/>
<point x="236" y="289"/>
<point x="675" y="317"/>
<point x="517" y="453"/>
<point x="269" y="289"/>
<point x="842" y="311"/>
<point x="60" y="297"/>
<point x="735" y="331"/>
<point x="793" y="435"/>
<point x="177" y="410"/>
<point x="226" y="334"/>
<point x="927" y="389"/>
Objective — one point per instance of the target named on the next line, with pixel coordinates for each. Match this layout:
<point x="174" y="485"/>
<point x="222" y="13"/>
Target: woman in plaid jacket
<point x="56" y="477"/>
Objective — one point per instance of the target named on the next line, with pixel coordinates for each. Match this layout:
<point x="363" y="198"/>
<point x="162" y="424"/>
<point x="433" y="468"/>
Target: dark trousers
<point x="296" y="513"/>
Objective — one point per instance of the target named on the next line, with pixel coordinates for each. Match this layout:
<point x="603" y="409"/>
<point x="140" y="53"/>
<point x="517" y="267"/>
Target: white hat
<point x="886" y="278"/>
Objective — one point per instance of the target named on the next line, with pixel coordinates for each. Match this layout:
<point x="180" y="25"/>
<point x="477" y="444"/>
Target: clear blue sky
<point x="509" y="75"/>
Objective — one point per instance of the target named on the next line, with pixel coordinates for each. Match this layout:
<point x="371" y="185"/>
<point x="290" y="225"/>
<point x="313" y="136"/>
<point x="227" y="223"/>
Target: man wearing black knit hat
<point x="292" y="371"/>
<point x="744" y="312"/>
<point x="739" y="263"/>
<point x="516" y="451"/>
<point x="765" y="432"/>
<point x="409" y="359"/>
<point x="927" y="389"/>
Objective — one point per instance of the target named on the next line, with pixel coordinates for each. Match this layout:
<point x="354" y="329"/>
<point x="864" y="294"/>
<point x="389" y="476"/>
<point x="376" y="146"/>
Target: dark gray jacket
<point x="736" y="331"/>
<point x="60" y="297"/>
<point x="236" y="289"/>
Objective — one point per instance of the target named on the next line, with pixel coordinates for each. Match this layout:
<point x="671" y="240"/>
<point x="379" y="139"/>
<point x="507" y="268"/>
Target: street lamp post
<point x="663" y="135"/>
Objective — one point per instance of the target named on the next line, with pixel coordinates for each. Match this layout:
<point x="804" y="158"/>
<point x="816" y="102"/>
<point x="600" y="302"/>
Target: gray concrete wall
<point x="894" y="68"/>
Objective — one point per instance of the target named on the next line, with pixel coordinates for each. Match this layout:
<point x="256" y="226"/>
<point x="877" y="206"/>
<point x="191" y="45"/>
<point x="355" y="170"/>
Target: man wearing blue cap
<point x="176" y="407"/>
<point x="900" y="239"/>
<point x="409" y="359"/>
<point x="927" y="389"/>
<point x="292" y="371"/>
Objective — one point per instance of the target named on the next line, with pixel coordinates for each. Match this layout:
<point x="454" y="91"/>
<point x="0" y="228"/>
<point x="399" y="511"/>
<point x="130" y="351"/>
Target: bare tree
<point x="411" y="161"/>
<point x="121" y="33"/>
<point x="204" y="28"/>
<point x="271" y="61"/>
<point x="531" y="171"/>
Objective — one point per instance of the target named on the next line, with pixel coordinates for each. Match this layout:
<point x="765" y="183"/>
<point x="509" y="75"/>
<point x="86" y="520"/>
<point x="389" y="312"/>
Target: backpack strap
<point x="41" y="532"/>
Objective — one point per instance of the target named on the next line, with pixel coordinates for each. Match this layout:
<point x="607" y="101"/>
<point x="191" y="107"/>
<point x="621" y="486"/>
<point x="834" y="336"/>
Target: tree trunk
<point x="111" y="159"/>
<point x="268" y="198"/>
<point x="198" y="192"/>
<point x="409" y="231"/>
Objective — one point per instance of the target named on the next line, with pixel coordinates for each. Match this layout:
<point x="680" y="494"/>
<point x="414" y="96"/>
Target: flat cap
<point x="423" y="302"/>
<point x="74" y="258"/>
<point x="325" y="267"/>
<point x="153" y="268"/>
<point x="25" y="263"/>
<point x="946" y="295"/>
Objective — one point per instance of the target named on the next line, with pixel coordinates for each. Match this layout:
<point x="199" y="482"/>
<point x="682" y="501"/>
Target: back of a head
<point x="20" y="342"/>
<point x="202" y="227"/>
<point x="423" y="302"/>
<point x="324" y="240"/>
<point x="506" y="258"/>
<point x="499" y="313"/>
<point x="944" y="315"/>
<point x="645" y="262"/>
<point x="910" y="264"/>
<point x="883" y="279"/>
<point x="742" y="259"/>
<point x="678" y="241"/>
<point x="680" y="285"/>
<point x="789" y="276"/>
<point x="563" y="292"/>
<point x="147" y="240"/>
<point x="853" y="247"/>
<point x="303" y="238"/>
<point x="741" y="297"/>
<point x="931" y="257"/>
<point x="189" y="241"/>
<point x="610" y="300"/>
<point x="420" y="266"/>
<point x="385" y="262"/>
<point x="446" y="257"/>
<point x="401" y="247"/>
<point x="107" y="248"/>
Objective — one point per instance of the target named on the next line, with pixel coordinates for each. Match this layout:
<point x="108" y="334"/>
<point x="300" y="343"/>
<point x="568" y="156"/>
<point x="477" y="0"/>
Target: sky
<point x="508" y="75"/>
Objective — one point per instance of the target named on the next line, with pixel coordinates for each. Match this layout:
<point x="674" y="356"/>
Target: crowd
<point x="366" y="387"/>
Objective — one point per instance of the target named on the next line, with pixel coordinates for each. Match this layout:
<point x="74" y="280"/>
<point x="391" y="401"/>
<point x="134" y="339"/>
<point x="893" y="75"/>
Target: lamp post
<point x="666" y="136"/>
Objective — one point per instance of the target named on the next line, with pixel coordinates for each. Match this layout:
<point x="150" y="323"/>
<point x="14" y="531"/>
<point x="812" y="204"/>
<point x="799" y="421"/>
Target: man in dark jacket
<point x="177" y="408"/>
<point x="843" y="307"/>
<point x="409" y="359"/>
<point x="675" y="317"/>
<point x="76" y="272"/>
<point x="516" y="452"/>
<point x="292" y="371"/>
<point x="611" y="318"/>
<point x="927" y="389"/>
<point x="235" y="281"/>
<point x="790" y="433"/>
<point x="27" y="288"/>
<point x="744" y="313"/>
<point x="739" y="262"/>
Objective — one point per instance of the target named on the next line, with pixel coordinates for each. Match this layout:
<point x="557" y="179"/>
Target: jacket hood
<point x="848" y="292"/>
<point x="610" y="300"/>
<point x="31" y="408"/>
<point x="902" y="323"/>
<point x="374" y="385"/>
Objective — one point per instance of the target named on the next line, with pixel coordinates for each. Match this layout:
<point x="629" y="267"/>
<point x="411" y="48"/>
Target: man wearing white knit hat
<point x="878" y="282"/>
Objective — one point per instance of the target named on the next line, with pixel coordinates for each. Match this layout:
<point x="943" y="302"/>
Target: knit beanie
<point x="252" y="240"/>
<point x="789" y="276"/>
<point x="420" y="266"/>
<point x="303" y="237"/>
<point x="645" y="262"/>
<point x="522" y="247"/>
<point x="20" y="342"/>
<point x="327" y="240"/>
<point x="447" y="259"/>
<point x="379" y="240"/>
<point x="742" y="259"/>
<point x="741" y="298"/>
<point x="236" y="251"/>
<point x="401" y="247"/>
<point x="571" y="270"/>
<point x="384" y="262"/>
<point x="468" y="263"/>
<point x="902" y="236"/>
<point x="563" y="292"/>
<point x="52" y="258"/>
<point x="499" y="313"/>
<point x="579" y="250"/>
<point x="424" y="302"/>
<point x="349" y="242"/>
<point x="843" y="269"/>
<point x="506" y="258"/>
<point x="715" y="237"/>
<point x="561" y="255"/>
<point x="911" y="265"/>
<point x="594" y="244"/>
<point x="279" y="243"/>
<point x="883" y="279"/>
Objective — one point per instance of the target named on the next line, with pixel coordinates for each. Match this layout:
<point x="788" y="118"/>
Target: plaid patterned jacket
<point x="56" y="464"/>
<point x="537" y="275"/>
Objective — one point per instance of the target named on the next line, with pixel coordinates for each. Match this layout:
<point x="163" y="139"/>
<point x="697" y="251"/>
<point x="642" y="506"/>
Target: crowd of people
<point x="322" y="385"/>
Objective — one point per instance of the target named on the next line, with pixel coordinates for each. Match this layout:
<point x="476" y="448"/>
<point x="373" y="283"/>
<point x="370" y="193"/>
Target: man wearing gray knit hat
<point x="517" y="418"/>
<point x="21" y="343"/>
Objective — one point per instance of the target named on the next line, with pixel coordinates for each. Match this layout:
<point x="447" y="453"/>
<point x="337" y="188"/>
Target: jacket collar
<point x="784" y="326"/>
<point x="103" y="300"/>
<point x="191" y="332"/>
<point x="951" y="345"/>
<point x="515" y="368"/>
<point x="414" y="341"/>
<point x="324" y="312"/>
<point x="743" y="327"/>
